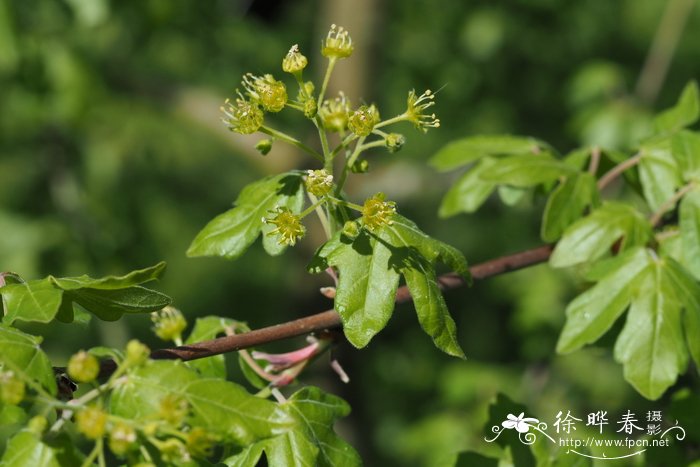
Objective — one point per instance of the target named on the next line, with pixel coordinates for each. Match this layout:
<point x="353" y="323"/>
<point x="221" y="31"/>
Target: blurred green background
<point x="112" y="157"/>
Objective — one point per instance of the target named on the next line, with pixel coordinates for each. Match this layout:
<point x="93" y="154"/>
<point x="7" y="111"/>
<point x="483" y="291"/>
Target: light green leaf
<point x="226" y="409"/>
<point x="469" y="192"/>
<point x="510" y="195"/>
<point x="658" y="173"/>
<point x="466" y="150"/>
<point x="37" y="300"/>
<point x="687" y="290"/>
<point x="21" y="352"/>
<point x="683" y="114"/>
<point x="592" y="313"/>
<point x="367" y="285"/>
<point x="592" y="236"/>
<point x="567" y="203"/>
<point x="685" y="147"/>
<point x="232" y="232"/>
<point x="208" y="328"/>
<point x="111" y="304"/>
<point x="111" y="282"/>
<point x="689" y="223"/>
<point x="527" y="170"/>
<point x="651" y="345"/>
<point x="26" y="449"/>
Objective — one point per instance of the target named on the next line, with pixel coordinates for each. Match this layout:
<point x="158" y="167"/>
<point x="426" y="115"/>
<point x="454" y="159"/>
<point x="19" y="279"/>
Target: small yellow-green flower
<point x="83" y="367"/>
<point x="288" y="225"/>
<point x="136" y="353"/>
<point x="335" y="112"/>
<point x="294" y="61"/>
<point x="338" y="43"/>
<point x="173" y="409"/>
<point x="12" y="389"/>
<point x="200" y="443"/>
<point x="417" y="106"/>
<point x="91" y="422"/>
<point x="362" y="120"/>
<point x="122" y="438"/>
<point x="243" y="116"/>
<point x="394" y="141"/>
<point x="168" y="323"/>
<point x="377" y="213"/>
<point x="318" y="182"/>
<point x="266" y="90"/>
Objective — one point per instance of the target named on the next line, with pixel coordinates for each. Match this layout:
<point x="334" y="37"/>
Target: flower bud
<point x="394" y="142"/>
<point x="264" y="146"/>
<point x="168" y="323"/>
<point x="91" y="422"/>
<point x="362" y="120"/>
<point x="351" y="229"/>
<point x="377" y="213"/>
<point x="318" y="182"/>
<point x="360" y="166"/>
<point x="136" y="353"/>
<point x="83" y="367"/>
<point x="266" y="90"/>
<point x="294" y="62"/>
<point x="310" y="107"/>
<point x="289" y="228"/>
<point x="122" y="438"/>
<point x="335" y="112"/>
<point x="338" y="43"/>
<point x="12" y="389"/>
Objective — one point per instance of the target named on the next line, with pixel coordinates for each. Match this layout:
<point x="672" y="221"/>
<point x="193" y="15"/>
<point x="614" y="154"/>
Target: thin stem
<point x="93" y="455"/>
<point x="348" y="164"/>
<point x="354" y="206"/>
<point x="662" y="49"/>
<point x="595" y="160"/>
<point x="398" y="118"/>
<point x="326" y="78"/>
<point x="316" y="203"/>
<point x="288" y="139"/>
<point x="670" y="203"/>
<point x="322" y="217"/>
<point x="343" y="144"/>
<point x="374" y="144"/>
<point x="616" y="171"/>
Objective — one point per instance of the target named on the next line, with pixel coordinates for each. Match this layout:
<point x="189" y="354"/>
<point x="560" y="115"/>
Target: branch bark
<point x="331" y="319"/>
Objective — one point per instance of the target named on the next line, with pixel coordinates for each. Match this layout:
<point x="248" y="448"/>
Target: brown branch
<point x="330" y="319"/>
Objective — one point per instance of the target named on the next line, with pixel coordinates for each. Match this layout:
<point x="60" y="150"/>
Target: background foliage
<point x="112" y="157"/>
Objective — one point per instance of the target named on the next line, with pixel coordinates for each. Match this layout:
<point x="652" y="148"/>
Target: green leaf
<point x="527" y="170"/>
<point x="469" y="192"/>
<point x="658" y="173"/>
<point x="111" y="282"/>
<point x="592" y="236"/>
<point x="232" y="232"/>
<point x="226" y="409"/>
<point x="21" y="352"/>
<point x="367" y="285"/>
<point x="205" y="329"/>
<point x="592" y="313"/>
<point x="567" y="203"/>
<point x="510" y="195"/>
<point x="25" y="449"/>
<point x="687" y="291"/>
<point x="651" y="345"/>
<point x="111" y="304"/>
<point x="35" y="300"/>
<point x="683" y="114"/>
<point x="685" y="148"/>
<point x="466" y="150"/>
<point x="414" y="254"/>
<point x="689" y="223"/>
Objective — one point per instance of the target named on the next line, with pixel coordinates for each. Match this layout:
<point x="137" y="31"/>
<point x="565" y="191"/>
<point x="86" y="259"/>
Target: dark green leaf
<point x="21" y="352"/>
<point x="469" y="192"/>
<point x="684" y="113"/>
<point x="208" y="328"/>
<point x="658" y="173"/>
<point x="689" y="223"/>
<point x="111" y="282"/>
<point x="498" y="413"/>
<point x="232" y="232"/>
<point x="31" y="301"/>
<point x="466" y="150"/>
<point x="592" y="237"/>
<point x="470" y="459"/>
<point x="567" y="203"/>
<point x="111" y="304"/>
<point x="527" y="170"/>
<point x="367" y="285"/>
<point x="685" y="147"/>
<point x="592" y="313"/>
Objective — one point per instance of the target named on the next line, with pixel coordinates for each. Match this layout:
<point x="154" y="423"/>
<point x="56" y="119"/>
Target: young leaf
<point x="651" y="345"/>
<point x="687" y="291"/>
<point x="37" y="300"/>
<point x="683" y="114"/>
<point x="231" y="233"/>
<point x="592" y="237"/>
<point x="567" y="203"/>
<point x="466" y="150"/>
<point x="111" y="282"/>
<point x="367" y="284"/>
<point x="470" y="191"/>
<point x="592" y="313"/>
<point x="689" y="223"/>
<point x="685" y="148"/>
<point x="21" y="352"/>
<point x="25" y="448"/>
<point x="658" y="173"/>
<point x="527" y="170"/>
